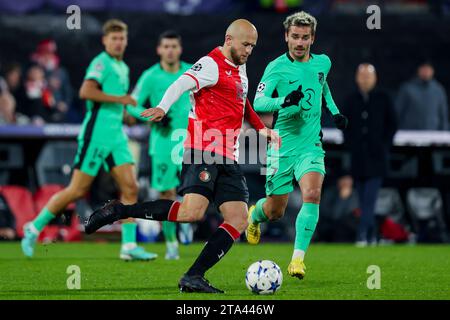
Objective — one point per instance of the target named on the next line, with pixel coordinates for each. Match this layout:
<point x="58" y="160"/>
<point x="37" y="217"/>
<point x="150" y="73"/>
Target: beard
<point x="235" y="57"/>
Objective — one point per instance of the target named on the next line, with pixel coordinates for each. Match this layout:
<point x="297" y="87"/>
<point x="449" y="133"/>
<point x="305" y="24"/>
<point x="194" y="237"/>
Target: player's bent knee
<point x="275" y="211"/>
<point x="197" y="215"/>
<point x="276" y="214"/>
<point x="131" y="190"/>
<point x="192" y="214"/>
<point x="312" y="195"/>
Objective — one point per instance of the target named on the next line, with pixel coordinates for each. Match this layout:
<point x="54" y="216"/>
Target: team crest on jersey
<point x="261" y="87"/>
<point x="204" y="176"/>
<point x="196" y="67"/>
<point x="321" y="77"/>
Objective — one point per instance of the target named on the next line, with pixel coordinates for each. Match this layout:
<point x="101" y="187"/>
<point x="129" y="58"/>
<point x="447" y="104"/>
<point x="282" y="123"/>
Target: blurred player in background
<point x="210" y="170"/>
<point x="298" y="78"/>
<point x="101" y="142"/>
<point x="166" y="159"/>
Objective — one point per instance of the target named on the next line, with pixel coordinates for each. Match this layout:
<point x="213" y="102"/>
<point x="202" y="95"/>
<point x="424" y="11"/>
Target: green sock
<point x="44" y="217"/>
<point x="129" y="232"/>
<point x="169" y="229"/>
<point x="258" y="214"/>
<point x="305" y="225"/>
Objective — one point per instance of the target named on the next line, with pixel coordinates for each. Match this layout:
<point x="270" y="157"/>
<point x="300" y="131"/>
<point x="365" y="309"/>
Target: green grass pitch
<point x="334" y="271"/>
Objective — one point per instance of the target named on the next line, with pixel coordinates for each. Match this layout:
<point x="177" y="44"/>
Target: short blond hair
<point x="114" y="25"/>
<point x="299" y="19"/>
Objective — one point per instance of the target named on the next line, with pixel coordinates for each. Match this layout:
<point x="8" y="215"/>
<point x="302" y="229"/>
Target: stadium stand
<point x="20" y="201"/>
<point x="419" y="159"/>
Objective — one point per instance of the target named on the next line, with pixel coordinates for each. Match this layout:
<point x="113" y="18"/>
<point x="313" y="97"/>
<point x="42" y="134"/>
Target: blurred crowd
<point x="40" y="92"/>
<point x="37" y="91"/>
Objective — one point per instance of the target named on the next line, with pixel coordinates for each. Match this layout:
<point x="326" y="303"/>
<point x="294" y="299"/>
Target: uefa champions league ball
<point x="264" y="277"/>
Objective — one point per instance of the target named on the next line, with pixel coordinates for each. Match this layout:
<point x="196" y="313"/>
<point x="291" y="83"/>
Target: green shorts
<point x="165" y="173"/>
<point x="92" y="155"/>
<point x="283" y="172"/>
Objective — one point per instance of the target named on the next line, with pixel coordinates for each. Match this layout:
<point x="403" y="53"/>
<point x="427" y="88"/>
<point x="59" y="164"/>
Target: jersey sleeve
<point x="173" y="93"/>
<point x="331" y="105"/>
<point x="97" y="70"/>
<point x="141" y="93"/>
<point x="252" y="117"/>
<point x="205" y="72"/>
<point x="263" y="99"/>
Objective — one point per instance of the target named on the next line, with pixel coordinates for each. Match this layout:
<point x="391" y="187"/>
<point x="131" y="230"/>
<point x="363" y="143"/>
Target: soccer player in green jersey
<point x="292" y="87"/>
<point x="164" y="149"/>
<point x="101" y="142"/>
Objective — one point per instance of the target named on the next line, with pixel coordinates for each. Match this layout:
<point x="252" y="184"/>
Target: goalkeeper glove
<point x="293" y="98"/>
<point x="340" y="121"/>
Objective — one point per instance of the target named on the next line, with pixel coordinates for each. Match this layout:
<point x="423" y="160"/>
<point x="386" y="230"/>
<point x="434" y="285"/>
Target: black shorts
<point x="220" y="180"/>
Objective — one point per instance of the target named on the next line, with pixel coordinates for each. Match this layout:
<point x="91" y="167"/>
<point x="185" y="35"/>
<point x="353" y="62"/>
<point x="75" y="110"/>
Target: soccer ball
<point x="264" y="277"/>
<point x="148" y="230"/>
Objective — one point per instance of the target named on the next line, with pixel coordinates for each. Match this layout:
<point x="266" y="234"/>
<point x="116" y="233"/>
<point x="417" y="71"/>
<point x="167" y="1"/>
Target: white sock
<point x="33" y="229"/>
<point x="298" y="253"/>
<point x="129" y="246"/>
<point x="173" y="244"/>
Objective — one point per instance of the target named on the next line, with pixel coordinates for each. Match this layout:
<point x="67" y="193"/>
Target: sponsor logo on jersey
<point x="308" y="99"/>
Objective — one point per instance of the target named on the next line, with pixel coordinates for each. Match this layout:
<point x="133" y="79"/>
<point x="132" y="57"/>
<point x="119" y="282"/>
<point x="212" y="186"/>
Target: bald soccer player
<point x="218" y="85"/>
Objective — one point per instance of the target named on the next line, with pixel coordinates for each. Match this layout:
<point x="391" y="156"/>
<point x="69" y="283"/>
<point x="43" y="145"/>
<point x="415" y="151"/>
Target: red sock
<point x="173" y="212"/>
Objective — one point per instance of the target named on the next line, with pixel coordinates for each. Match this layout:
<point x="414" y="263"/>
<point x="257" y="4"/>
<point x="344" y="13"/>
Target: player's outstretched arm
<point x="135" y="111"/>
<point x="339" y="119"/>
<point x="141" y="93"/>
<point x="264" y="102"/>
<point x="272" y="136"/>
<point x="172" y="94"/>
<point x="255" y="121"/>
<point x="268" y="104"/>
<point x="331" y="105"/>
<point x="90" y="90"/>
